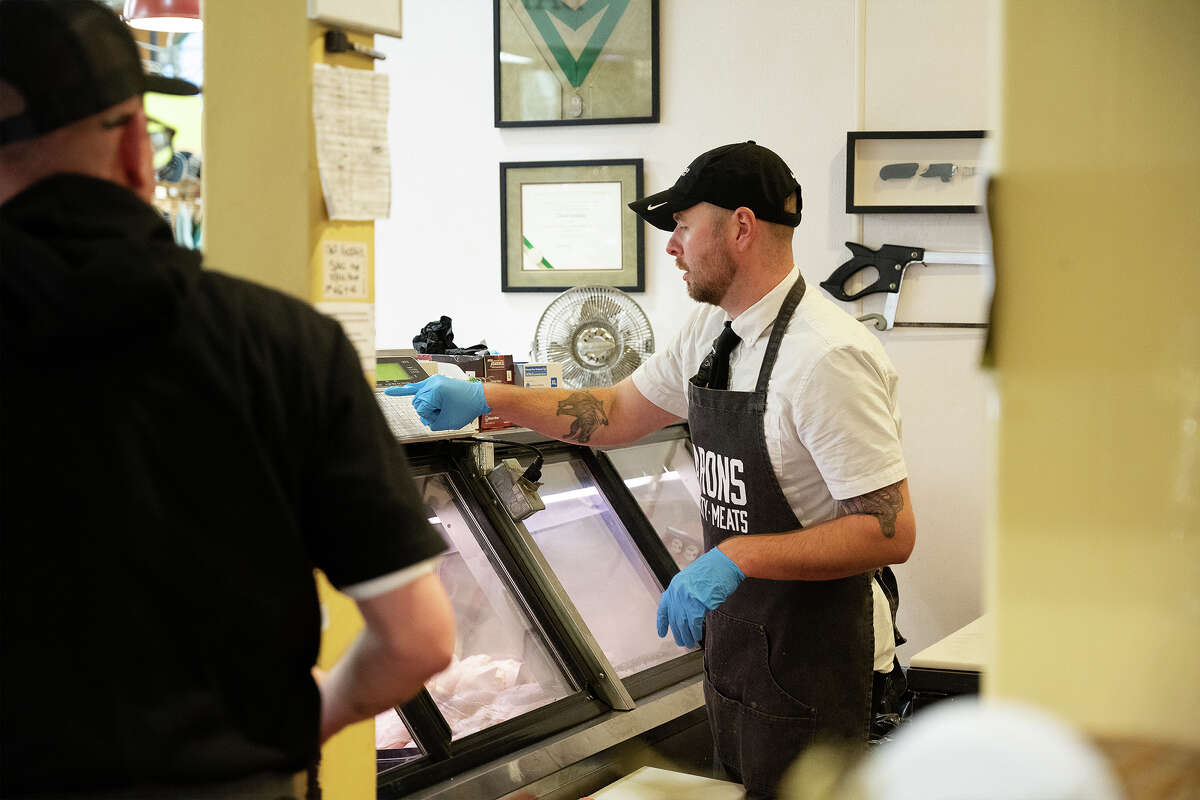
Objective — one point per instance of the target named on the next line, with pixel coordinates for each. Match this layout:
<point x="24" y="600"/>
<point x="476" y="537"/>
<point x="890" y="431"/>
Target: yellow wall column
<point x="265" y="219"/>
<point x="258" y="142"/>
<point x="1095" y="575"/>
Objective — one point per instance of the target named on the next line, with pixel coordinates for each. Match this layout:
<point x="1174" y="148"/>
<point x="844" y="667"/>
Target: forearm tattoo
<point x="883" y="504"/>
<point x="588" y="414"/>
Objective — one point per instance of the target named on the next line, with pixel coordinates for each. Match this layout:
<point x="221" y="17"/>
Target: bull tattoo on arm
<point x="588" y="414"/>
<point x="883" y="504"/>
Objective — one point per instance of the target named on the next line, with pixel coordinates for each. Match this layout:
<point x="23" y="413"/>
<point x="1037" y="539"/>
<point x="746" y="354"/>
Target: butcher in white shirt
<point x="792" y="411"/>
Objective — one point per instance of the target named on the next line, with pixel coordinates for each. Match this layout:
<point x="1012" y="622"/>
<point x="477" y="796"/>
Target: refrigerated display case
<point x="394" y="743"/>
<point x="600" y="566"/>
<point x="557" y="655"/>
<point x="661" y="476"/>
<point x="513" y="676"/>
<point x="502" y="666"/>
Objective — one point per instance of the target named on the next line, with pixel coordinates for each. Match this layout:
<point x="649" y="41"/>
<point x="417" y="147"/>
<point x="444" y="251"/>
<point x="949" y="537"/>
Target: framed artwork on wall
<point x="921" y="172"/>
<point x="575" y="62"/>
<point x="567" y="223"/>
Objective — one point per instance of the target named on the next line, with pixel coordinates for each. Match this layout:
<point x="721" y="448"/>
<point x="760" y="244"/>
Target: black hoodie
<point x="178" y="450"/>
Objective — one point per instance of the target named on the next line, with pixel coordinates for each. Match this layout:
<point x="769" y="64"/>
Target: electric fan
<point x="598" y="333"/>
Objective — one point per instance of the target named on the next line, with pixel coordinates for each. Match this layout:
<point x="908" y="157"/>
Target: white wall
<point x="766" y="73"/>
<point x="785" y="74"/>
<point x="929" y="65"/>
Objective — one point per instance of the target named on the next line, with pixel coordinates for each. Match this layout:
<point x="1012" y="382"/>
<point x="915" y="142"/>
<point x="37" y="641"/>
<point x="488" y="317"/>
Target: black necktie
<point x="722" y="346"/>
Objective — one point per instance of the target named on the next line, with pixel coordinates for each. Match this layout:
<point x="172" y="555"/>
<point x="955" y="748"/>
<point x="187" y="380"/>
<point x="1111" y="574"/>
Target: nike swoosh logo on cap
<point x="657" y="205"/>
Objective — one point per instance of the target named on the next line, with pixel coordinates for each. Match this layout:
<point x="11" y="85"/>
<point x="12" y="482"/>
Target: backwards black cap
<point x="63" y="60"/>
<point x="730" y="176"/>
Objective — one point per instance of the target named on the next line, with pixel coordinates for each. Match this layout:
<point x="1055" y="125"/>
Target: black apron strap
<point x="777" y="331"/>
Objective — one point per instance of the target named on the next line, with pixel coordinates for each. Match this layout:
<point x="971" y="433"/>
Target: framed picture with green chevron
<point x="575" y="62"/>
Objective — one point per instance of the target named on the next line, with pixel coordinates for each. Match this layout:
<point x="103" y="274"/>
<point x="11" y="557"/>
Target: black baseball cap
<point x="63" y="60"/>
<point x="730" y="176"/>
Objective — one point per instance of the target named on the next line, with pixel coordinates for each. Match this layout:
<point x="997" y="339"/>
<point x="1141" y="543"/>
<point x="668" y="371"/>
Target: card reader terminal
<point x="397" y="371"/>
<point x="401" y="417"/>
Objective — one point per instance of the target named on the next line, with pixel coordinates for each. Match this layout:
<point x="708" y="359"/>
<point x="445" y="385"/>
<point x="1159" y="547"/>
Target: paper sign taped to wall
<point x="344" y="270"/>
<point x="350" y="109"/>
<point x="358" y="321"/>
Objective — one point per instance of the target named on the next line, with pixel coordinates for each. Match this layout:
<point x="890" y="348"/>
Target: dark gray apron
<point x="786" y="663"/>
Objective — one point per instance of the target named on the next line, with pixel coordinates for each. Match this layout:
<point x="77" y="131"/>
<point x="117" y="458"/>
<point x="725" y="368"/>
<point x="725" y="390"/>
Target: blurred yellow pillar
<point x="1095" y="563"/>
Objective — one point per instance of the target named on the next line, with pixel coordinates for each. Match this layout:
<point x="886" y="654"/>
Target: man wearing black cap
<point x="178" y="450"/>
<point x="804" y="495"/>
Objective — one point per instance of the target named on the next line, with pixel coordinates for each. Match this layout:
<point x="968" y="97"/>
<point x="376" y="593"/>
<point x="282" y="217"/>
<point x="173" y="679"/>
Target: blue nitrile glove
<point x="700" y="587"/>
<point x="444" y="404"/>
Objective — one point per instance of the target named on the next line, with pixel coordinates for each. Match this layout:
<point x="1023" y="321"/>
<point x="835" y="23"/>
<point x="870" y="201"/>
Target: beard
<point x="717" y="276"/>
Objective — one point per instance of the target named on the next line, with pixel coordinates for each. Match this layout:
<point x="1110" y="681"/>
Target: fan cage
<point x="599" y="334"/>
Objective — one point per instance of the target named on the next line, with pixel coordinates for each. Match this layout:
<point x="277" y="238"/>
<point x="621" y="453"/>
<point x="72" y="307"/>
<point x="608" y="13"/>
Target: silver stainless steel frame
<point x="561" y="759"/>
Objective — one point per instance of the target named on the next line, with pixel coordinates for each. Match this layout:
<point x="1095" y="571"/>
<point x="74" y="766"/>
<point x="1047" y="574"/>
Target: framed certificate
<point x="575" y="62"/>
<point x="567" y="223"/>
<point x="929" y="172"/>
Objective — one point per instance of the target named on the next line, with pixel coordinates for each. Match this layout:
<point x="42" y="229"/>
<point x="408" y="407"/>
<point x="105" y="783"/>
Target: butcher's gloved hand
<point x="444" y="404"/>
<point x="700" y="587"/>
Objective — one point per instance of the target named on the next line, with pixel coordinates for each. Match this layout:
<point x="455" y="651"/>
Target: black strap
<point x="780" y="327"/>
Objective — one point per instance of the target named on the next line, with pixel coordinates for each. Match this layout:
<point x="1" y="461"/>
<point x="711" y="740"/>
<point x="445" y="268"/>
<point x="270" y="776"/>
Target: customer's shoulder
<point x="263" y="312"/>
<point x="257" y="301"/>
<point x="233" y="289"/>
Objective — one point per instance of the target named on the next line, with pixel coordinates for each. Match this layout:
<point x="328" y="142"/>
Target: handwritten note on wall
<point x="358" y="321"/>
<point x="344" y="271"/>
<point x="350" y="108"/>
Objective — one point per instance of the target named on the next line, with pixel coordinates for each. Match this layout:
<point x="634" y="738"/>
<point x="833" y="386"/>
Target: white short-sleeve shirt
<point x="832" y="421"/>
